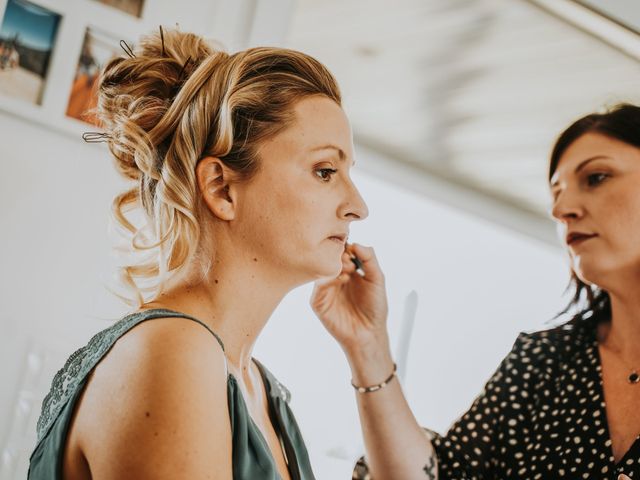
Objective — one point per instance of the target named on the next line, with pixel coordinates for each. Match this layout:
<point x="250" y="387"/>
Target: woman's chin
<point x="584" y="279"/>
<point x="328" y="271"/>
<point x="589" y="274"/>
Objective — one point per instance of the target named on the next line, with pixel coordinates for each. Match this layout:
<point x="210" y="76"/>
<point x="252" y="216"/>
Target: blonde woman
<point x="241" y="167"/>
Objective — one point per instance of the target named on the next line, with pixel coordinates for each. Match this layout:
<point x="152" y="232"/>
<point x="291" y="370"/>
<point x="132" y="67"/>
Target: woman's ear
<point x="214" y="180"/>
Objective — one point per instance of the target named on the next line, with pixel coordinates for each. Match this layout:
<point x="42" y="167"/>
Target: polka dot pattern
<point x="540" y="416"/>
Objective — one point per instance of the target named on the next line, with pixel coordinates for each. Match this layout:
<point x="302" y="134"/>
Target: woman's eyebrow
<point x="590" y="159"/>
<point x="341" y="154"/>
<point x="580" y="166"/>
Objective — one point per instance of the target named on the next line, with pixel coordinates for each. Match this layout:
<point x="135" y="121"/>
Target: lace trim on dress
<point x="76" y="368"/>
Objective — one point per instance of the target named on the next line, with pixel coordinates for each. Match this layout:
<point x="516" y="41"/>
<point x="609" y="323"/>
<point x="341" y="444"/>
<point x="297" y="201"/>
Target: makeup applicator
<point x="358" y="263"/>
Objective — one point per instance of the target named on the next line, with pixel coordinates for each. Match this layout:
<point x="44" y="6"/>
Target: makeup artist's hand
<point x="354" y="308"/>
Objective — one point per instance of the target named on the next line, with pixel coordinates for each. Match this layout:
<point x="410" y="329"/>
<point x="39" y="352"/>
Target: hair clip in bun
<point x="184" y="67"/>
<point x="162" y="40"/>
<point x="127" y="49"/>
<point x="96" y="137"/>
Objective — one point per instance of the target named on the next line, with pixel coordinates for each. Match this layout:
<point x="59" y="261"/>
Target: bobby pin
<point x="95" y="137"/>
<point x="127" y="49"/>
<point x="162" y="40"/>
<point x="184" y="66"/>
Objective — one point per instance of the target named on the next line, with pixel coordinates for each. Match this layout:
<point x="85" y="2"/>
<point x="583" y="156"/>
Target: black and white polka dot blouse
<point x="540" y="416"/>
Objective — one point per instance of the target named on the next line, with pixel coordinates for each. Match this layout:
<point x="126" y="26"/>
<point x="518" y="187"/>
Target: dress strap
<point x="165" y="312"/>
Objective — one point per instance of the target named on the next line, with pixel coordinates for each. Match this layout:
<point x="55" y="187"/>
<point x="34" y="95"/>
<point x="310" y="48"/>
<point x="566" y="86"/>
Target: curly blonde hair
<point x="178" y="99"/>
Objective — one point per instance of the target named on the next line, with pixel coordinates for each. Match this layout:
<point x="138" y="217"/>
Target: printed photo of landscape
<point x="27" y="39"/>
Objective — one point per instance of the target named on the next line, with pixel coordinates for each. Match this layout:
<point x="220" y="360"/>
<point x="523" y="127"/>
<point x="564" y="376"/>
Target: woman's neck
<point x="622" y="334"/>
<point x="235" y="298"/>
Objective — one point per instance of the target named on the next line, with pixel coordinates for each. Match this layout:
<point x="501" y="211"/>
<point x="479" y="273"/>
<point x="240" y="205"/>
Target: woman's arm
<point x="397" y="447"/>
<point x="354" y="310"/>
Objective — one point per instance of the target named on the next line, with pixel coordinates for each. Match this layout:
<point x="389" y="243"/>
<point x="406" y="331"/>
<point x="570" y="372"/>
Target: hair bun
<point x="136" y="90"/>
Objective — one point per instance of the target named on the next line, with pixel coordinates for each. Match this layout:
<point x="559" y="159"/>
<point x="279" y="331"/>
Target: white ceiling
<point x="473" y="92"/>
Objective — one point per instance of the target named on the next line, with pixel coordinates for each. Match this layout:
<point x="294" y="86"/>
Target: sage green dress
<point x="251" y="457"/>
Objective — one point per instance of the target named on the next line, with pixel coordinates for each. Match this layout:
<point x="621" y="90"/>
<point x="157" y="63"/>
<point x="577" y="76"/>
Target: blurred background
<point x="454" y="105"/>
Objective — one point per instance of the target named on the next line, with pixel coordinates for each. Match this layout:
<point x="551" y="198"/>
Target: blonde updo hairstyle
<point x="174" y="101"/>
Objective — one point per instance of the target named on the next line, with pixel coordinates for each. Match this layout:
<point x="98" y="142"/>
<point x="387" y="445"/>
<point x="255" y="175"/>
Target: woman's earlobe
<point x="213" y="179"/>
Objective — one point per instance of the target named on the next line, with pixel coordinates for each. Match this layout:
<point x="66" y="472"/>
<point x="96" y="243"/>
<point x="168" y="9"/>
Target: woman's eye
<point x="325" y="173"/>
<point x="596" y="179"/>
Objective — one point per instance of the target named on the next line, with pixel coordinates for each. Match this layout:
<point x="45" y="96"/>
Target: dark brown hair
<point x="621" y="122"/>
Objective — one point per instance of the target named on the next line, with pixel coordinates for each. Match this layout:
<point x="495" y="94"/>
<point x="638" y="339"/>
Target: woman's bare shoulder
<point x="162" y="388"/>
<point x="168" y="336"/>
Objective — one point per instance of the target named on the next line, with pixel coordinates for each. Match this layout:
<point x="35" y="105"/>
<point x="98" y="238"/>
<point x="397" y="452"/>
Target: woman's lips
<point x="575" y="239"/>
<point x="340" y="237"/>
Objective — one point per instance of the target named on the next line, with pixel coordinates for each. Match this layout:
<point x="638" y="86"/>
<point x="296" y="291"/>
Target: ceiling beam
<point x="596" y="24"/>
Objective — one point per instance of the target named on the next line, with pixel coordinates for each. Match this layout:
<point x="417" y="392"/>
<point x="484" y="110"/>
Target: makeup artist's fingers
<point x="324" y="292"/>
<point x="369" y="261"/>
<point x="347" y="265"/>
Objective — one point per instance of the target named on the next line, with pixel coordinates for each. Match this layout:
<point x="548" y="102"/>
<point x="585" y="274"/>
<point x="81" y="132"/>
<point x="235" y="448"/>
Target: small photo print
<point x="132" y="7"/>
<point x="97" y="49"/>
<point x="27" y="39"/>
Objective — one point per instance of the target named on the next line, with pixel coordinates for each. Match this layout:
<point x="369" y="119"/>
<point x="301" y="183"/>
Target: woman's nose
<point x="354" y="207"/>
<point x="566" y="206"/>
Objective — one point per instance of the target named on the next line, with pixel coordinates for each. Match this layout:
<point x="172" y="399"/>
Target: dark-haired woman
<point x="565" y="402"/>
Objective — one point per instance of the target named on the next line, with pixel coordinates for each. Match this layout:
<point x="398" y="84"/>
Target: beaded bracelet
<point x="374" y="388"/>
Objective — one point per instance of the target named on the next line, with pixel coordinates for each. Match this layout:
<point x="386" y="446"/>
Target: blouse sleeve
<point x="476" y="444"/>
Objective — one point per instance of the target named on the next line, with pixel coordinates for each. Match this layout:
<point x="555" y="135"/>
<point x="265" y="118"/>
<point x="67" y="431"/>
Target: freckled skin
<point x="287" y="212"/>
<point x="609" y="208"/>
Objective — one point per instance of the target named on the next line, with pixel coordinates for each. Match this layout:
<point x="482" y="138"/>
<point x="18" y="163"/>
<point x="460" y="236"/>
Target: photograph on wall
<point x="132" y="7"/>
<point x="27" y="38"/>
<point x="97" y="49"/>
